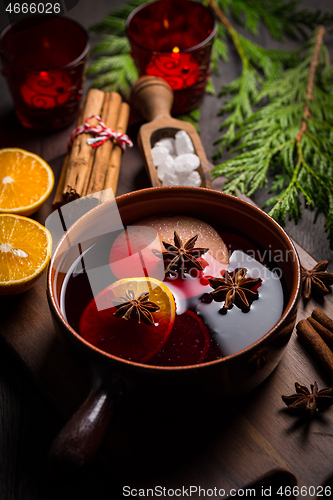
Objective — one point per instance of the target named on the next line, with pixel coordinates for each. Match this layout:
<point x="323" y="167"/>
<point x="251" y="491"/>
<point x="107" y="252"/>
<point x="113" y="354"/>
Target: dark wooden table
<point x="28" y="420"/>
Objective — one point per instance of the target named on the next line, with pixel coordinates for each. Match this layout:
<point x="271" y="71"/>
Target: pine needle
<point x="291" y="135"/>
<point x="115" y="22"/>
<point x="282" y="18"/>
<point x="116" y="73"/>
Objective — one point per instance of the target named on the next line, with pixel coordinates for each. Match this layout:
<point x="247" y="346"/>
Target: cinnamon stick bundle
<point x="82" y="155"/>
<point x="88" y="170"/>
<point x="113" y="171"/>
<point x="109" y="116"/>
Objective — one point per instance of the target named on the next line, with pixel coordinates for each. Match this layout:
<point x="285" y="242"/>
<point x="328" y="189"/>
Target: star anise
<point x="317" y="279"/>
<point x="309" y="402"/>
<point x="140" y="308"/>
<point x="235" y="290"/>
<point x="182" y="255"/>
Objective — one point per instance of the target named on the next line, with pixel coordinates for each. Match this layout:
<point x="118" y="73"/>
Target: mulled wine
<point x="187" y="296"/>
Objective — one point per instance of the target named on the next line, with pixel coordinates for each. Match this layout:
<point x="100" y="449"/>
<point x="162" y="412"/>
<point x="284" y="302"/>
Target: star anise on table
<point x="140" y="309"/>
<point x="308" y="402"/>
<point x="316" y="279"/>
<point x="182" y="255"/>
<point x="235" y="289"/>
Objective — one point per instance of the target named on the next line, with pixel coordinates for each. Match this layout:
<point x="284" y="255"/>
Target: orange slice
<point x="26" y="181"/>
<point x="25" y="249"/>
<point x="128" y="339"/>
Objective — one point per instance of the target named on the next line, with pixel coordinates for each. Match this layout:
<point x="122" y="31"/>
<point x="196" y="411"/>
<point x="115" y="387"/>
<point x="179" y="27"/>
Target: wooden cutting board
<point x="185" y="440"/>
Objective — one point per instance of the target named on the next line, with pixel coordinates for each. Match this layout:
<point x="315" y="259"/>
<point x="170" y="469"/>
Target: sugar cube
<point x="169" y="143"/>
<point x="183" y="143"/>
<point x="186" y="162"/>
<point x="193" y="179"/>
<point x="170" y="179"/>
<point x="166" y="166"/>
<point x="159" y="153"/>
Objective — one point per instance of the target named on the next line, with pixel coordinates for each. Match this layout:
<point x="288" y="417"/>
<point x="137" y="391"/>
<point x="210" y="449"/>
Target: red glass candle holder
<point x="44" y="61"/>
<point x="173" y="39"/>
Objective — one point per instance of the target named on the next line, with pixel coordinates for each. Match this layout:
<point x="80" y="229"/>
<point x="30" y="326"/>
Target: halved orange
<point x="126" y="338"/>
<point x="25" y="249"/>
<point x="26" y="181"/>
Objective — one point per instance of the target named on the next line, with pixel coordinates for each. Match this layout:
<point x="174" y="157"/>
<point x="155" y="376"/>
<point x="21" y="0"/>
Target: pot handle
<point x="80" y="439"/>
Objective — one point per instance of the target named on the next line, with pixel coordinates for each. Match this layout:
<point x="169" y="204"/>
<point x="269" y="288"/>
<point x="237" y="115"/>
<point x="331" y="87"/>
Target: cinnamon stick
<point x="111" y="180"/>
<point x="316" y="345"/>
<point x="87" y="170"/>
<point x="323" y="319"/>
<point x="110" y="116"/>
<point x="58" y="199"/>
<point x="82" y="155"/>
<point x="325" y="334"/>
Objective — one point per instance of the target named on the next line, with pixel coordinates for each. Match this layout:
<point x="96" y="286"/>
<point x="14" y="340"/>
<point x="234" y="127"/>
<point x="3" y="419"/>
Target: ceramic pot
<point x="230" y="376"/>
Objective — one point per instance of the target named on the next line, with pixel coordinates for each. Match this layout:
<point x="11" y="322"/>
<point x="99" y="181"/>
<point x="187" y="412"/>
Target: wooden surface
<point x="207" y="444"/>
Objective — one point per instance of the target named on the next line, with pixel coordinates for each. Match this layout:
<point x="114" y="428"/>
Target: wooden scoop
<point x="153" y="97"/>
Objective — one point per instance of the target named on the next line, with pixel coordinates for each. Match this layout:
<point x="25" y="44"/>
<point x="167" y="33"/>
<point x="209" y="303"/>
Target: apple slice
<point x="187" y="227"/>
<point x="133" y="253"/>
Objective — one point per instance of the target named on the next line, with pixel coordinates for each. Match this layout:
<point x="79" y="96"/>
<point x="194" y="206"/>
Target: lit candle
<point x="44" y="60"/>
<point x="179" y="69"/>
<point x="46" y="89"/>
<point x="172" y="39"/>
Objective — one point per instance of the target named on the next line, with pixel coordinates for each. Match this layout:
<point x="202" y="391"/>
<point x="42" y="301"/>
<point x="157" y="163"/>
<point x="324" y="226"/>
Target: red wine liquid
<point x="212" y="336"/>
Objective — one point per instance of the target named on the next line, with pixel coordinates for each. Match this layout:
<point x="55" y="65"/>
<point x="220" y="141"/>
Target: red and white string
<point x="103" y="134"/>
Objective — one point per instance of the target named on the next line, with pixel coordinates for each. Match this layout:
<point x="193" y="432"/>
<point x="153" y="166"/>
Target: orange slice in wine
<point x="126" y="338"/>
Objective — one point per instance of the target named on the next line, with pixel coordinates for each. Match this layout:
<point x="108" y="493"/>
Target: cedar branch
<point x="314" y="61"/>
<point x="234" y="35"/>
<point x="232" y="32"/>
<point x="312" y="73"/>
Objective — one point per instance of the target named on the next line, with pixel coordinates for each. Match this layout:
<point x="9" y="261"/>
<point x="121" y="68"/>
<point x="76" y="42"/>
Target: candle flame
<point x="166" y="23"/>
<point x="175" y="53"/>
